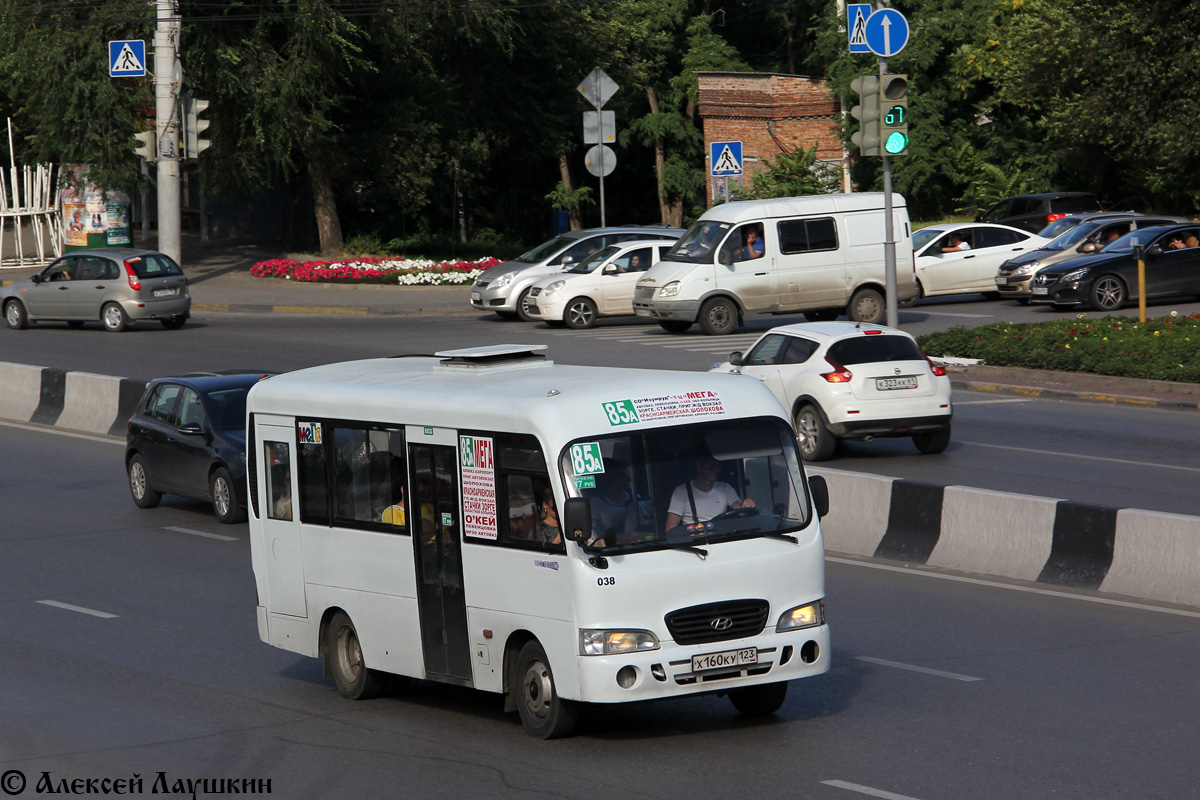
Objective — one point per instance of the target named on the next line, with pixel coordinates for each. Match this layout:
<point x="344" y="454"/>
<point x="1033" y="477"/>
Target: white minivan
<point x="822" y="255"/>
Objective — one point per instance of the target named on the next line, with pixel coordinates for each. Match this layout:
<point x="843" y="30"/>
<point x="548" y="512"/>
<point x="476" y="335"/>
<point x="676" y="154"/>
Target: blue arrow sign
<point x="856" y="26"/>
<point x="127" y="58"/>
<point x="725" y="158"/>
<point x="887" y="32"/>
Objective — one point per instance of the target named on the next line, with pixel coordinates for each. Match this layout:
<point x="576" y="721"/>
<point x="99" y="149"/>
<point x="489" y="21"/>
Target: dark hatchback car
<point x="1033" y="212"/>
<point x="188" y="437"/>
<point x="1109" y="279"/>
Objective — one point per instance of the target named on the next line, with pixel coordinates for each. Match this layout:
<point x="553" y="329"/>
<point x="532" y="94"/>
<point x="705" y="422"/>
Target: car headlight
<point x="1028" y="269"/>
<point x="608" y="643"/>
<point x="1076" y="275"/>
<point x="670" y="290"/>
<point x="806" y="616"/>
<point x="554" y="287"/>
<point x="503" y="280"/>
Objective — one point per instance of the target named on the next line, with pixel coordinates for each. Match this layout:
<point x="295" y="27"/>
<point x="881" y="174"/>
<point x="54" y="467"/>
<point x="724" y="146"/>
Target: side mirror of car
<point x="979" y="218"/>
<point x="725" y="257"/>
<point x="610" y="269"/>
<point x="735" y="358"/>
<point x="191" y="429"/>
<point x="36" y="279"/>
<point x="820" y="494"/>
<point x="567" y="260"/>
<point x="1154" y="250"/>
<point x="1088" y="247"/>
<point x="577" y="519"/>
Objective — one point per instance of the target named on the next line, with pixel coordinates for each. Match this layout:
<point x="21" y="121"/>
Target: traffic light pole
<point x="889" y="233"/>
<point x="166" y="91"/>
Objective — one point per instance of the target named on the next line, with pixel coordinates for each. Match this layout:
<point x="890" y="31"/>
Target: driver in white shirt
<point x="703" y="497"/>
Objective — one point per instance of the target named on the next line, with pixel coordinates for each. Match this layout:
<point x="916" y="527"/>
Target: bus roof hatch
<point x="494" y="355"/>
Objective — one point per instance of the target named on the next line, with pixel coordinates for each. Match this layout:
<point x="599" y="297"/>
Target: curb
<point x="1131" y="552"/>
<point x="251" y="308"/>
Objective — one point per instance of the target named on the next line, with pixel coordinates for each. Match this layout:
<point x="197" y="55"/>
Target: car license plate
<point x="641" y="312"/>
<point x="165" y="292"/>
<point x="725" y="660"/>
<point x="903" y="382"/>
<point x="1040" y="290"/>
<point x="1001" y="281"/>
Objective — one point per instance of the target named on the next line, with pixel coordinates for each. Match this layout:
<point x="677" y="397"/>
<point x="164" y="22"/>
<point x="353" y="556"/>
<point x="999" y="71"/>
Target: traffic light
<point x="867" y="113"/>
<point x="193" y="126"/>
<point x="893" y="108"/>
<point x="147" y="145"/>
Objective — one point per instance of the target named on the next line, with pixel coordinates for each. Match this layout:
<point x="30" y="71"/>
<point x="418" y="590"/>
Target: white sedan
<point x="599" y="286"/>
<point x="945" y="266"/>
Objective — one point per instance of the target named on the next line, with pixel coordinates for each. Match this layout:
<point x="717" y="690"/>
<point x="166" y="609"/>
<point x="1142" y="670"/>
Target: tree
<point x="792" y="174"/>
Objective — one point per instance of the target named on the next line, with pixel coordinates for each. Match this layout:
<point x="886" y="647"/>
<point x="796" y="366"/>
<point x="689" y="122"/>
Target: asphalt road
<point x="128" y="645"/>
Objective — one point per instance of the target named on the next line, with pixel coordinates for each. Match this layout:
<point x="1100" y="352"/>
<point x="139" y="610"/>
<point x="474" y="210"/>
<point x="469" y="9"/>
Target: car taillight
<point x="1054" y="218"/>
<point x="131" y="273"/>
<point x="839" y="375"/>
<point x="938" y="369"/>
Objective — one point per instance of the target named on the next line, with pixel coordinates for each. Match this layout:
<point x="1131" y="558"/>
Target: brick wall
<point x="768" y="114"/>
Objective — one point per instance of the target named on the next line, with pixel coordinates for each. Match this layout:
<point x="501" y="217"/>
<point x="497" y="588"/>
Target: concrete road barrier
<point x="1131" y="552"/>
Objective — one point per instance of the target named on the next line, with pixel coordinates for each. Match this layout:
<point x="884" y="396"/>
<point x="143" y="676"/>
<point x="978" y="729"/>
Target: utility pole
<point x="166" y="92"/>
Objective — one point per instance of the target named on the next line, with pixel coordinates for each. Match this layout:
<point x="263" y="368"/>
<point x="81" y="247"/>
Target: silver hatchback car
<point x="116" y="287"/>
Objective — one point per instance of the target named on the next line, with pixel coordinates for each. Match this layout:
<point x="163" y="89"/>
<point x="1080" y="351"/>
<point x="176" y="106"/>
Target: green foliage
<point x="790" y="175"/>
<point x="1162" y="348"/>
<point x="363" y="244"/>
<point x="564" y="199"/>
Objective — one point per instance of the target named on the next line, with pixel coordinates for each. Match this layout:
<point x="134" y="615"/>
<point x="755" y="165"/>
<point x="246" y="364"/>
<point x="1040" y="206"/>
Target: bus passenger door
<point x="280" y="526"/>
<point x="437" y="537"/>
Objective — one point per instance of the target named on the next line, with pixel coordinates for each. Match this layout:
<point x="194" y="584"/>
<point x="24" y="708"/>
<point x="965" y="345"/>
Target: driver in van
<point x="703" y="497"/>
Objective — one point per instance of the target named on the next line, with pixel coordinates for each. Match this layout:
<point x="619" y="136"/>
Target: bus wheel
<point x="543" y="713"/>
<point x="344" y="654"/>
<point x="758" y="701"/>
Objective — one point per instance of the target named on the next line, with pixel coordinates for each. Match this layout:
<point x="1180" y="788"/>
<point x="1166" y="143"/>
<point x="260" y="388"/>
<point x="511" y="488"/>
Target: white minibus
<point x="557" y="534"/>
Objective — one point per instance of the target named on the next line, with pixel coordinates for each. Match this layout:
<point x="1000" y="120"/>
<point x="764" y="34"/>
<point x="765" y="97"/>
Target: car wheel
<point x="114" y="318"/>
<point x="14" y="315"/>
<point x="718" y="316"/>
<point x="580" y="313"/>
<point x="544" y="714"/>
<point x="933" y="442"/>
<point x="143" y="494"/>
<point x="173" y="323"/>
<point x="758" y="701"/>
<point x="675" y="325"/>
<point x="343" y="655"/>
<point x="1108" y="293"/>
<point x="867" y="306"/>
<point x="822" y="315"/>
<point x="224" y="498"/>
<point x="523" y="306"/>
<point x="815" y="440"/>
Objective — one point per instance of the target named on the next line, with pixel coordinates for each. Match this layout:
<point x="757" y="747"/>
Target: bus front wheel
<point x="343" y="652"/>
<point x="544" y="714"/>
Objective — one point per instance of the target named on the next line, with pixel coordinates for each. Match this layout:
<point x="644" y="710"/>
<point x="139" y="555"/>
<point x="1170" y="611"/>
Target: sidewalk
<point x="220" y="281"/>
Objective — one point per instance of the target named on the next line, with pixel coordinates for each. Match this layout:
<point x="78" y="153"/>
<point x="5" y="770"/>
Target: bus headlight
<point x="608" y="643"/>
<point x="670" y="290"/>
<point x="806" y="616"/>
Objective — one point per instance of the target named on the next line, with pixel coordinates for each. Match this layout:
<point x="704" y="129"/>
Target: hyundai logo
<point x="721" y="624"/>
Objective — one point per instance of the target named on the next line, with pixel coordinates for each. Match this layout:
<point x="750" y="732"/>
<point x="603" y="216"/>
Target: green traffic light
<point x="896" y="142"/>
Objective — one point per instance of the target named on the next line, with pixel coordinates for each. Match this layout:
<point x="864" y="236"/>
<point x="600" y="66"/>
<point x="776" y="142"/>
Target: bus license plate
<point x="1040" y="290"/>
<point x="903" y="382"/>
<point x="725" y="660"/>
<point x="165" y="292"/>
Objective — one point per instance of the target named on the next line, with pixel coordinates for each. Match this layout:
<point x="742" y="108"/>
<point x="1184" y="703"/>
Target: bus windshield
<point x="689" y="485"/>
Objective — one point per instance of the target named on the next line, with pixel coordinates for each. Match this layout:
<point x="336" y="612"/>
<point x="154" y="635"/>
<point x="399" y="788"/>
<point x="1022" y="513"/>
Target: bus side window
<point x="314" y="491"/>
<point x="279" y="480"/>
<point x="522" y="508"/>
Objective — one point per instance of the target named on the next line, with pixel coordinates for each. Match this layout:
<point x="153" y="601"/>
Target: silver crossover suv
<point x="116" y="287"/>
<point x="505" y="287"/>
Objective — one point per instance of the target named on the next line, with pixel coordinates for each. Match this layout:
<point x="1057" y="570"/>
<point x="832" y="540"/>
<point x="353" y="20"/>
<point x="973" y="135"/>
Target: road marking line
<point x="1179" y="612"/>
<point x="991" y="402"/>
<point x="952" y="314"/>
<point x="201" y="533"/>
<point x="56" y="432"/>
<point x="867" y="790"/>
<point x="913" y="668"/>
<point x="80" y="609"/>
<point x="1081" y="456"/>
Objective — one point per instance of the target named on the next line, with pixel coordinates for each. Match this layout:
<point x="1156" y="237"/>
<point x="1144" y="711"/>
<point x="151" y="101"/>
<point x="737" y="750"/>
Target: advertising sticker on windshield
<point x="476" y="458"/>
<point x="703" y="403"/>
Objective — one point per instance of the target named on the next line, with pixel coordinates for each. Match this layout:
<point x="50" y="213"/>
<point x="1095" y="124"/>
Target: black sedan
<point x="1109" y="279"/>
<point x="188" y="437"/>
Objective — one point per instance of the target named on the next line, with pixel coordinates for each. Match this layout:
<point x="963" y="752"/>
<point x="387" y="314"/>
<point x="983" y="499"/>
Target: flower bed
<point x="398" y="271"/>
<point x="1161" y="348"/>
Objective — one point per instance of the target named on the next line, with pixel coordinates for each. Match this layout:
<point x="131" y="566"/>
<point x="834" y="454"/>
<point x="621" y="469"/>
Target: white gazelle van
<point x="823" y="255"/>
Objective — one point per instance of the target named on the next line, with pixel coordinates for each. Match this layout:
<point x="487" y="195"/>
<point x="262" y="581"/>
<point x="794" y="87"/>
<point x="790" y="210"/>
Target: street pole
<point x="600" y="139"/>
<point x="889" y="234"/>
<point x="166" y="90"/>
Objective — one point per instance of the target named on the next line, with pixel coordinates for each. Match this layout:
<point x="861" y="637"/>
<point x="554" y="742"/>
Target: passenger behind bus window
<point x="703" y="497"/>
<point x="522" y="509"/>
<point x="548" y="525"/>
<point x="394" y="514"/>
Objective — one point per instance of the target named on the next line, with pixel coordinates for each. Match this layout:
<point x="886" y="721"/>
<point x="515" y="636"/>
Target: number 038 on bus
<point x="557" y="534"/>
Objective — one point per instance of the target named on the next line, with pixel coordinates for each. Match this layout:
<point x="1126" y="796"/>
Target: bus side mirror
<point x="577" y="519"/>
<point x="820" y="494"/>
<point x="735" y="358"/>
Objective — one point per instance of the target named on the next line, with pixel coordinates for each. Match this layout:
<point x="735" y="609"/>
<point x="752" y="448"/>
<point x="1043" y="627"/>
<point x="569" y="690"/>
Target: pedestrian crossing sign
<point x="127" y="58"/>
<point x="725" y="158"/>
